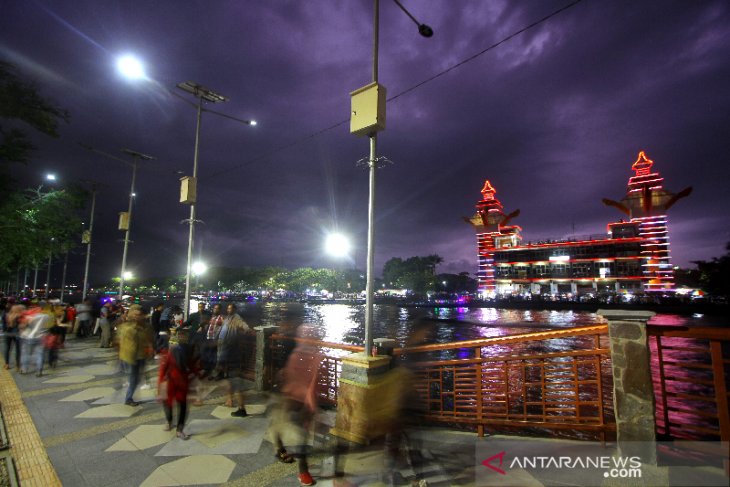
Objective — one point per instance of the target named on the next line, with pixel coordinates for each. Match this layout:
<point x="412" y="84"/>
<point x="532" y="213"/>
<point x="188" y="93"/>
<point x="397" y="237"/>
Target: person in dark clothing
<point x="195" y="319"/>
<point x="155" y="322"/>
<point x="10" y="324"/>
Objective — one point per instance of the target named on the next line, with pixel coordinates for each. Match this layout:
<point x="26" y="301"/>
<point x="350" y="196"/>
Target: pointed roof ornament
<point x="488" y="191"/>
<point x="642" y="166"/>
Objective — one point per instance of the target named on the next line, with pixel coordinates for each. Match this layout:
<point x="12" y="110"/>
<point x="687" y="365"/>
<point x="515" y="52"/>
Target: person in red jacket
<point x="178" y="365"/>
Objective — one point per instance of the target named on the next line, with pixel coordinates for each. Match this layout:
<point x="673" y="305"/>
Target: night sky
<point x="554" y="118"/>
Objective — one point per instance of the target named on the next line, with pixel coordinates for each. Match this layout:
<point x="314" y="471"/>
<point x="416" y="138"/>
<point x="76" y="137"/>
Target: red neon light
<point x="642" y="166"/>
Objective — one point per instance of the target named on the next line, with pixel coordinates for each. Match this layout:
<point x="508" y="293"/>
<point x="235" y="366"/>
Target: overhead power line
<point x="404" y="92"/>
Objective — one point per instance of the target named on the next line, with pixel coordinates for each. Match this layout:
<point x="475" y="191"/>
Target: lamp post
<point x="48" y="272"/>
<point x="86" y="238"/>
<point x="188" y="190"/>
<point x="125" y="221"/>
<point x="368" y="117"/>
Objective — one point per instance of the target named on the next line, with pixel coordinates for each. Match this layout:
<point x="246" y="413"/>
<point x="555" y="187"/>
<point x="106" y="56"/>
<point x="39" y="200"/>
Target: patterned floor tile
<point x="91" y="393"/>
<point x="69" y="379"/>
<point x="109" y="411"/>
<point x="194" y="470"/>
<point x="226" y="437"/>
<point x="143" y="437"/>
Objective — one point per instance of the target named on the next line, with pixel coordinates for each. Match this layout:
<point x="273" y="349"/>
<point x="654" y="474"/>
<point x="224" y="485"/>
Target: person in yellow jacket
<point x="135" y="347"/>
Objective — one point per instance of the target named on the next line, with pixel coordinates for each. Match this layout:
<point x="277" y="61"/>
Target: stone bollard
<point x="359" y="398"/>
<point x="263" y="357"/>
<point x="633" y="389"/>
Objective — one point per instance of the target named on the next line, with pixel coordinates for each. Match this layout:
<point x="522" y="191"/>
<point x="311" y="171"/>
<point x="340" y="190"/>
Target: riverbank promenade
<point x="71" y="428"/>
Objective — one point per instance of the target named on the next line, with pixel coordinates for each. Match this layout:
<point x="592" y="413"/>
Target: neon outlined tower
<point x="490" y="224"/>
<point x="646" y="203"/>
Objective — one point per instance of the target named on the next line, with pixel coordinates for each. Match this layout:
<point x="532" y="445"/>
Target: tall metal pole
<point x="372" y="164"/>
<point x="126" y="233"/>
<point x="191" y="234"/>
<point x="88" y="244"/>
<point x="63" y="275"/>
<point x="35" y="280"/>
<point x="25" y="282"/>
<point x="48" y="274"/>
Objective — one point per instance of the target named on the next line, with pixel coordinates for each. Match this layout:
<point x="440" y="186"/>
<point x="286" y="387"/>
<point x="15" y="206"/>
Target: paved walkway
<point x="70" y="427"/>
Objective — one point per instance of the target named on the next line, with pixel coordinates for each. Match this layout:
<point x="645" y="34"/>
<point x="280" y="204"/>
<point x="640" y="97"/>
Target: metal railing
<point x="330" y="367"/>
<point x="497" y="382"/>
<point x="503" y="383"/>
<point x="691" y="382"/>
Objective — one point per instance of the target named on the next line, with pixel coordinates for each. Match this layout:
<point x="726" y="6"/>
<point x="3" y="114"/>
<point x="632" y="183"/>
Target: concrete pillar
<point x="359" y="398"/>
<point x="633" y="390"/>
<point x="574" y="287"/>
<point x="553" y="287"/>
<point x="263" y="357"/>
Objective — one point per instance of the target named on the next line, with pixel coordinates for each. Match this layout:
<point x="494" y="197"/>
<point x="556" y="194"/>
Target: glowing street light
<point x="337" y="245"/>
<point x="128" y="275"/>
<point x="50" y="177"/>
<point x="131" y="67"/>
<point x="199" y="268"/>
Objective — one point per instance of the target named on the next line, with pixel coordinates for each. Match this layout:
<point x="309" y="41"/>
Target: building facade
<point x="631" y="257"/>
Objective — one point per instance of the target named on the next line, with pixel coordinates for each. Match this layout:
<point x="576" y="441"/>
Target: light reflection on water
<point x="344" y="323"/>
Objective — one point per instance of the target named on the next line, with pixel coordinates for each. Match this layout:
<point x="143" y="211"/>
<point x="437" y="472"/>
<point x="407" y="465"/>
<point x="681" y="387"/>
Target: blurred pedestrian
<point x="105" y="319"/>
<point x="83" y="311"/>
<point x="135" y="347"/>
<point x="210" y="346"/>
<point x="34" y="323"/>
<point x="296" y="410"/>
<point x="178" y="365"/>
<point x="11" y="327"/>
<point x="228" y="340"/>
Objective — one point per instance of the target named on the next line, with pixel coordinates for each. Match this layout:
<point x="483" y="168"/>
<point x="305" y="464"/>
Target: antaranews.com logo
<point x="553" y="462"/>
<point x="613" y="467"/>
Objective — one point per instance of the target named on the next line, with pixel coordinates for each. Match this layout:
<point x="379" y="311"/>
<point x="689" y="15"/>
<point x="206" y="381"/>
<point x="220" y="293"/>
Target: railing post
<point x="263" y="357"/>
<point x="633" y="389"/>
<point x="361" y="397"/>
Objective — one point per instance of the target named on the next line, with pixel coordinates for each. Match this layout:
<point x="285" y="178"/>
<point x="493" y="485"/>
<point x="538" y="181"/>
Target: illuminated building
<point x="632" y="256"/>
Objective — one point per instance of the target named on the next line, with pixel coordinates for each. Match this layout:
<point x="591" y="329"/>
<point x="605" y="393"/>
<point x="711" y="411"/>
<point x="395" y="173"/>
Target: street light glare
<point x="131" y="67"/>
<point x="337" y="245"/>
<point x="128" y="275"/>
<point x="51" y="177"/>
<point x="253" y="122"/>
<point x="199" y="268"/>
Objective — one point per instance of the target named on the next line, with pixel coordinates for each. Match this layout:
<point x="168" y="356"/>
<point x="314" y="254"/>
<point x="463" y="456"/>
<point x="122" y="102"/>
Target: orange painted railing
<point x="691" y="382"/>
<point x="490" y="385"/>
<point x="498" y="381"/>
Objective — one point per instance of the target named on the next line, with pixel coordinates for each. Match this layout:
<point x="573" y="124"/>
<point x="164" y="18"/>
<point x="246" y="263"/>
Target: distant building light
<point x="559" y="258"/>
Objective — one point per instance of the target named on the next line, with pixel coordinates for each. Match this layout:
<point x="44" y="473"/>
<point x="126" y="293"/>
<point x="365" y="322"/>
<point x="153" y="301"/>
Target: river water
<point x="343" y="323"/>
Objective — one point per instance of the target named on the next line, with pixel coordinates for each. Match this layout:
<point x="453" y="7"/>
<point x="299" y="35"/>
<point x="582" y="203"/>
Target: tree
<point x="415" y="273"/>
<point x="35" y="223"/>
<point x="715" y="275"/>
<point x="20" y="100"/>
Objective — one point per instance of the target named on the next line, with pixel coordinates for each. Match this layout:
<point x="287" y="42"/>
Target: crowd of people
<point x="213" y="344"/>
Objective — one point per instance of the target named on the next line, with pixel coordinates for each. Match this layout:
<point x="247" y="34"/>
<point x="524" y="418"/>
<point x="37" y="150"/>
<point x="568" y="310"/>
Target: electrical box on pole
<point x="124" y="221"/>
<point x="188" y="190"/>
<point x="368" y="109"/>
<point x="86" y="237"/>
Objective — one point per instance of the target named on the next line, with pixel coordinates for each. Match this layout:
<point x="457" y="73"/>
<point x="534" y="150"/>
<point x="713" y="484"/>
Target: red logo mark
<point x="488" y="463"/>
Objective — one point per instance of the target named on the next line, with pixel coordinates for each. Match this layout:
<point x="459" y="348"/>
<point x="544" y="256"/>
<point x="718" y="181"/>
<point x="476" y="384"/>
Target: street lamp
<point x="50" y="177"/>
<point x="367" y="118"/>
<point x="188" y="189"/>
<point x="131" y="67"/>
<point x="125" y="219"/>
<point x="86" y="237"/>
<point x="337" y="245"/>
